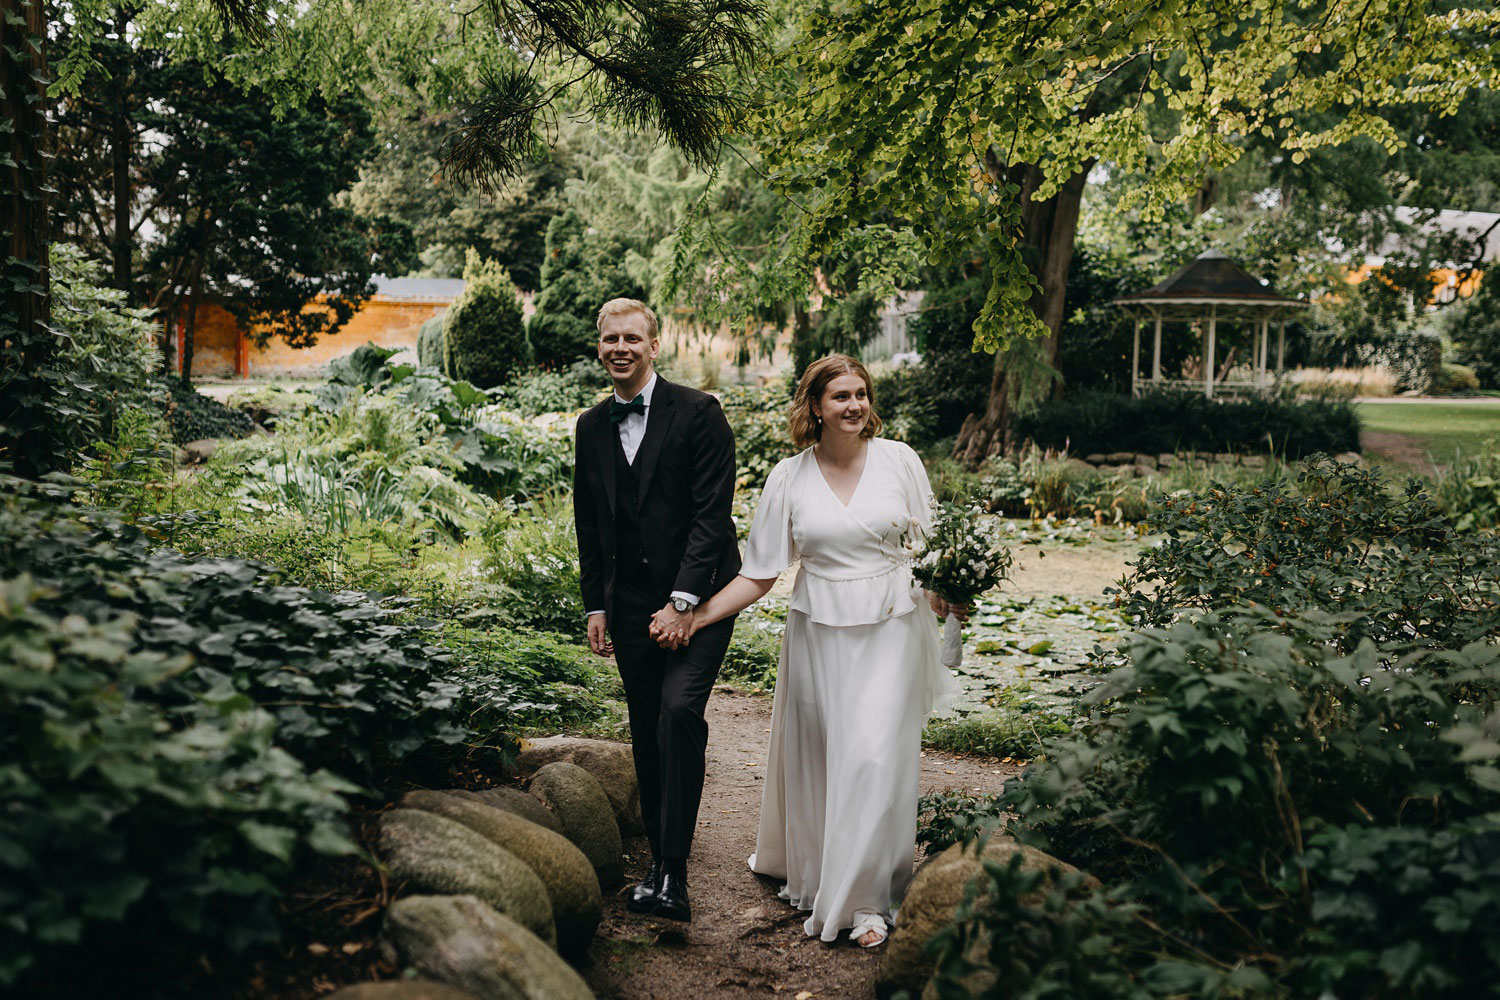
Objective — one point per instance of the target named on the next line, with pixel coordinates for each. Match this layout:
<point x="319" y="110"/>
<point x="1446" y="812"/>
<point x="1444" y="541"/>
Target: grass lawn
<point x="1443" y="429"/>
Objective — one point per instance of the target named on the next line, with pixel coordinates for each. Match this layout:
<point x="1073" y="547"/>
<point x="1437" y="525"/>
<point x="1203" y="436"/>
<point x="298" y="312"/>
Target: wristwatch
<point x="682" y="605"/>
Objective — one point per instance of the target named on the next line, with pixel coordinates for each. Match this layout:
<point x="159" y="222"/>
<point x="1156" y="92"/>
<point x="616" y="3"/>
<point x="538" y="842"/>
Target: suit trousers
<point x="666" y="692"/>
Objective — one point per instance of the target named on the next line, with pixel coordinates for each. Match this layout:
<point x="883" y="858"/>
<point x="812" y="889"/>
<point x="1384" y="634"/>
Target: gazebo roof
<point x="1211" y="278"/>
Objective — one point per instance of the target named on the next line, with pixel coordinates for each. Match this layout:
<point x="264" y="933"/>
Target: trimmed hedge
<point x="1173" y="422"/>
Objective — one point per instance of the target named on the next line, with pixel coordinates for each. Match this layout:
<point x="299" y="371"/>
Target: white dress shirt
<point x="632" y="432"/>
<point x="633" y="427"/>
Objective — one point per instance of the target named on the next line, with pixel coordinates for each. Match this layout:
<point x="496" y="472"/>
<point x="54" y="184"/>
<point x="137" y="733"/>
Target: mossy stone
<point x="612" y="763"/>
<point x="578" y="801"/>
<point x="400" y="989"/>
<point x="513" y="800"/>
<point x="572" y="886"/>
<point x="461" y="941"/>
<point x="438" y="855"/>
<point x="932" y="900"/>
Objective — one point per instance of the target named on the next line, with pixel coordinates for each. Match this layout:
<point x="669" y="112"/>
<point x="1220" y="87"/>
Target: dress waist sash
<point x="856" y="600"/>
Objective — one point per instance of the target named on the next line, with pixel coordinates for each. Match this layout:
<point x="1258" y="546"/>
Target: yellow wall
<point x="220" y="350"/>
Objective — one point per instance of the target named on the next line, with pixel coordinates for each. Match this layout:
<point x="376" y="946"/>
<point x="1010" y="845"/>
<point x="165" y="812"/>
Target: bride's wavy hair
<point x="806" y="428"/>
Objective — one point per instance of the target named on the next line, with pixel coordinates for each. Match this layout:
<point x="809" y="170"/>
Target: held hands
<point x="943" y="608"/>
<point x="672" y="628"/>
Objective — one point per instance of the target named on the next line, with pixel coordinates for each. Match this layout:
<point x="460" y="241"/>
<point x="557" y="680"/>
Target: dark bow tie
<point x="619" y="411"/>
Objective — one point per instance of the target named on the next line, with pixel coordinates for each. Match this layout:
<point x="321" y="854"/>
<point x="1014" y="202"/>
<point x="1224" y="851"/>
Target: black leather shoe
<point x="672" y="899"/>
<point x="642" y="898"/>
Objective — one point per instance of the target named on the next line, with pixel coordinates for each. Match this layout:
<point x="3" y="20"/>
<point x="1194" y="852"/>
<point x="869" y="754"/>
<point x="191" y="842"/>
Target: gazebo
<point x="1211" y="289"/>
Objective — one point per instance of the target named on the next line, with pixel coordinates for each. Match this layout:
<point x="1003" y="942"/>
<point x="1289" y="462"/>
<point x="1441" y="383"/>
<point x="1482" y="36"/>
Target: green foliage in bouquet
<point x="962" y="555"/>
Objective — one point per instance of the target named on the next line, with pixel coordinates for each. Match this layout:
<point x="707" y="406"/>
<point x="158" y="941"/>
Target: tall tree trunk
<point x="121" y="137"/>
<point x="190" y="321"/>
<point x="1048" y="230"/>
<point x="26" y="343"/>
<point x="802" y="345"/>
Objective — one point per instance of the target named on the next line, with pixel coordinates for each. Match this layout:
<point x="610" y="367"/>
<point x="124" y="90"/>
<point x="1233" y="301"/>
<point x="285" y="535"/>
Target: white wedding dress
<point x="858" y="676"/>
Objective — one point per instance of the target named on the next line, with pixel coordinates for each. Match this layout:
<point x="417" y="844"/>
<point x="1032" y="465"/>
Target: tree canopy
<point x="927" y="109"/>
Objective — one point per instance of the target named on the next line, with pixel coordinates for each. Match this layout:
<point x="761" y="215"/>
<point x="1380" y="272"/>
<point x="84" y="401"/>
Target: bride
<point x="859" y="669"/>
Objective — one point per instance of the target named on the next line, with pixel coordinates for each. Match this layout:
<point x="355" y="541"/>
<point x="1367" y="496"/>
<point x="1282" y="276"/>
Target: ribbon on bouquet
<point x="953" y="642"/>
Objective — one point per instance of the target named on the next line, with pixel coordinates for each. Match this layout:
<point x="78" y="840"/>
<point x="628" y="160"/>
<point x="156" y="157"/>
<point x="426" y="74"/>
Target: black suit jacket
<point x="685" y="473"/>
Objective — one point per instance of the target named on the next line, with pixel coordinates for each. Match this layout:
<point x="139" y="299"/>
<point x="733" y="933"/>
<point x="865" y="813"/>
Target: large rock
<point x="517" y="802"/>
<point x="578" y="801"/>
<point x="201" y="450"/>
<point x="469" y="945"/>
<point x="400" y="989"/>
<point x="1149" y="461"/>
<point x="612" y="763"/>
<point x="572" y="887"/>
<point x="435" y="854"/>
<point x="1120" y="458"/>
<point x="933" y="898"/>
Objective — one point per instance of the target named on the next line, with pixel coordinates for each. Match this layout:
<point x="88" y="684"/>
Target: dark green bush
<point x="431" y="344"/>
<point x="484" y="334"/>
<point x="758" y="417"/>
<point x="582" y="269"/>
<point x="1391" y="564"/>
<point x="1183" y="421"/>
<point x="1452" y="379"/>
<point x="194" y="416"/>
<point x="754" y="652"/>
<point x="1469" y="492"/>
<point x="161" y="720"/>
<point x="1249" y="781"/>
<point x="953" y="378"/>
<point x="576" y="387"/>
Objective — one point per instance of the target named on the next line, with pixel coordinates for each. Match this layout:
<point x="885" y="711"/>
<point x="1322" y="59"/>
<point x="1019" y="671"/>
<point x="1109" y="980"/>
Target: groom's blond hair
<point x="623" y="307"/>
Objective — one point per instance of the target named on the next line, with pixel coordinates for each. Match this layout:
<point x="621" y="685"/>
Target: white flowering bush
<point x="962" y="555"/>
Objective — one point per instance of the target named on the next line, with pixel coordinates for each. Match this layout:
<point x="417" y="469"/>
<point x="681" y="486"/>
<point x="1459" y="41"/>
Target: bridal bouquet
<point x="960" y="557"/>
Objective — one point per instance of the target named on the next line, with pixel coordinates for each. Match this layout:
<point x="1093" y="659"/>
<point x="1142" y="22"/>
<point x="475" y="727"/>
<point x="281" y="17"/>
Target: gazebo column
<point x="1265" y="344"/>
<point x="1156" y="348"/>
<point x="1208" y="352"/>
<point x="1135" y="358"/>
<point x="1281" y="346"/>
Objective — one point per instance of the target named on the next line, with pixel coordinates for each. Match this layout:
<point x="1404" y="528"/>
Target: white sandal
<point x="865" y="923"/>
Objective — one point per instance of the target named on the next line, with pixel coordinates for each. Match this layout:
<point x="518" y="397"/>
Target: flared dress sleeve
<point x="918" y="489"/>
<point x="770" y="547"/>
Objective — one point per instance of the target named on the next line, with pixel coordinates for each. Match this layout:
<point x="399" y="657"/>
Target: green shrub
<point x="545" y="681"/>
<point x="194" y="416"/>
<point x="1183" y="421"/>
<point x="754" y="651"/>
<point x="431" y="346"/>
<point x="1451" y="379"/>
<point x="163" y="718"/>
<point x="532" y="394"/>
<point x="108" y="346"/>
<point x="903" y="398"/>
<point x="484" y="334"/>
<point x="1007" y="731"/>
<point x="947" y="817"/>
<point x="582" y="268"/>
<point x="953" y="377"/>
<point x="532" y="557"/>
<point x="1322" y="816"/>
<point x="1389" y="563"/>
<point x="1469" y="492"/>
<point x="758" y="417"/>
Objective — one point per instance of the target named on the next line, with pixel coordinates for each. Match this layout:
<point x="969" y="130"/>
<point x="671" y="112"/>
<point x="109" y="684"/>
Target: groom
<point x="652" y="485"/>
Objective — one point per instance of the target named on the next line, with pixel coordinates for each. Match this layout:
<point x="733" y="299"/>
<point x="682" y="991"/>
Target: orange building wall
<point x="221" y="351"/>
